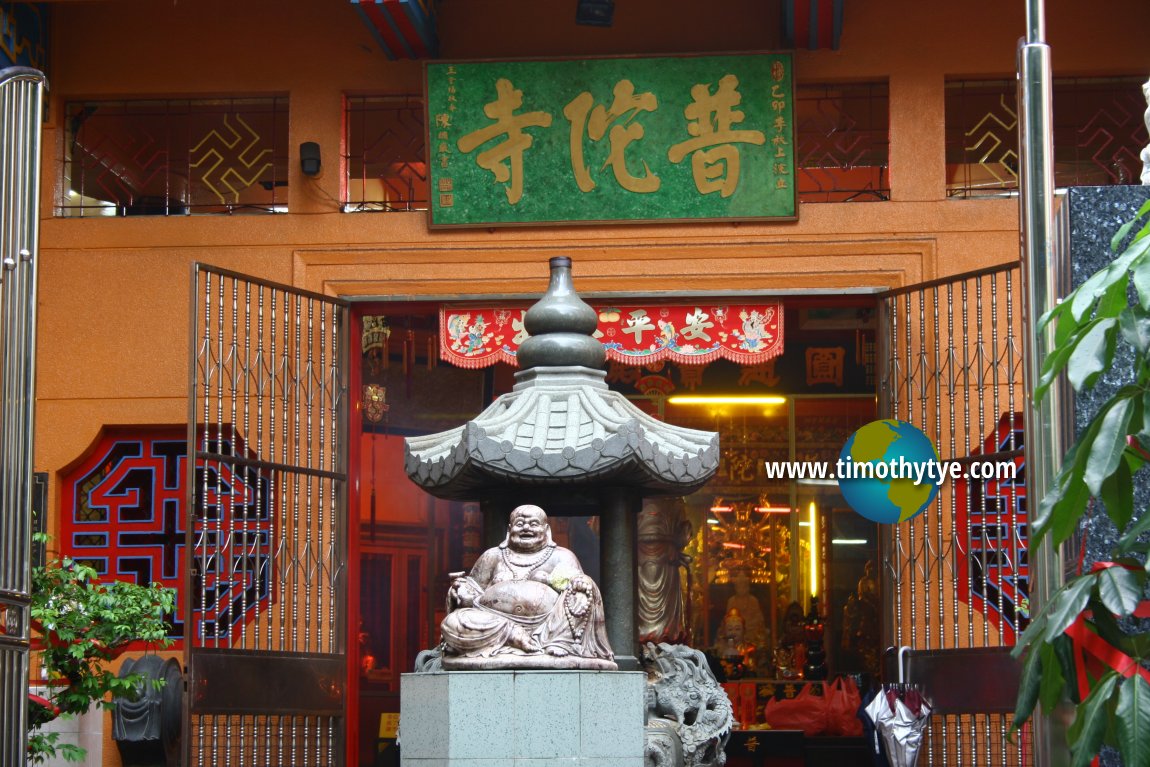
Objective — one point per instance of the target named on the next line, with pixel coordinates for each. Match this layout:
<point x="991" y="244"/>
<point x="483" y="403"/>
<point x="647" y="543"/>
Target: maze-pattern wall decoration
<point x="123" y="511"/>
<point x="993" y="559"/>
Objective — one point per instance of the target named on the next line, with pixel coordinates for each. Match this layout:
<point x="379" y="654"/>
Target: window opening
<point x="1098" y="134"/>
<point x="385" y="157"/>
<point x="842" y="136"/>
<point x="166" y="157"/>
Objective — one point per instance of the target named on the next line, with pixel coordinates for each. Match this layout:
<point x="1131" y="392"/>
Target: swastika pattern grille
<point x="1098" y="133"/>
<point x="168" y="157"/>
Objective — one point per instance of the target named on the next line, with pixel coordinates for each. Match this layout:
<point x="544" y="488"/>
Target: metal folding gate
<point x="956" y="577"/>
<point x="266" y="646"/>
<point x="21" y="99"/>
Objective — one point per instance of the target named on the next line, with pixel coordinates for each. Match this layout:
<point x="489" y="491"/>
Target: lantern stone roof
<point x="561" y="425"/>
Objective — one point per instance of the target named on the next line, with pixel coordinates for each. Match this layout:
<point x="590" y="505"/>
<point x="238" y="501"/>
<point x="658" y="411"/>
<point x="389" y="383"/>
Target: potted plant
<point x="1090" y="642"/>
<point x="81" y="623"/>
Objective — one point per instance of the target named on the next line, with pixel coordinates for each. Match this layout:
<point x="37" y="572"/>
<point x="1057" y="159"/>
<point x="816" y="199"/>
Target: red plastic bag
<point x="843" y="701"/>
<point x="806" y="711"/>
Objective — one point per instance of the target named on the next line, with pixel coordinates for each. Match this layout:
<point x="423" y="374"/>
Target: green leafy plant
<point x="83" y="623"/>
<point x="1091" y="324"/>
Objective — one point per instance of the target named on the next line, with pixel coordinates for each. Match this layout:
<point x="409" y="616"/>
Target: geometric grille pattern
<point x="981" y="138"/>
<point x="1098" y="132"/>
<point x="230" y="160"/>
<point x="175" y="157"/>
<point x="385" y="164"/>
<point x="842" y="142"/>
<point x="1105" y="140"/>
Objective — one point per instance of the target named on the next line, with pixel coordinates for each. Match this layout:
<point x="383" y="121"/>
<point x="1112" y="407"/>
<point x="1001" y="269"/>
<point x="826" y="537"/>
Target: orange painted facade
<point x="114" y="292"/>
<point x="113" y="295"/>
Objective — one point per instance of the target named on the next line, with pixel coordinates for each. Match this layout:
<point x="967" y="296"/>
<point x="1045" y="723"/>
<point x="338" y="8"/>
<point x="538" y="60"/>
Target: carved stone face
<point x="528" y="529"/>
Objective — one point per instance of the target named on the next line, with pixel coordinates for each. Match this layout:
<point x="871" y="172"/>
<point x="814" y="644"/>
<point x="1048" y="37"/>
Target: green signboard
<point x="611" y="140"/>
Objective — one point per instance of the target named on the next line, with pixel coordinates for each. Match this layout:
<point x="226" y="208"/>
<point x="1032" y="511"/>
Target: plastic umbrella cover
<point x="900" y="718"/>
<point x="875" y="710"/>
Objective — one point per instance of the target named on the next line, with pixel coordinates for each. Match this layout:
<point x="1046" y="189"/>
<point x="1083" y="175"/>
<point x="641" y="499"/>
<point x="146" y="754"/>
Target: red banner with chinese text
<point x="476" y="336"/>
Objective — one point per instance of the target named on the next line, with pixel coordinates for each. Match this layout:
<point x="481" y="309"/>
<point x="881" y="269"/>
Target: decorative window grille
<point x="1098" y="133"/>
<point x="174" y="157"/>
<point x="385" y="158"/>
<point x="842" y="142"/>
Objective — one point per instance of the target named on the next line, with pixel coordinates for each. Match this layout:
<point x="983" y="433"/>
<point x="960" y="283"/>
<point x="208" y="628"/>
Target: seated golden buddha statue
<point x="525" y="604"/>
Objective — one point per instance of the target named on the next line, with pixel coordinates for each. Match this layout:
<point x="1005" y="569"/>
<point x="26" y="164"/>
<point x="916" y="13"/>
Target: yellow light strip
<point x="814" y="550"/>
<point x="716" y="399"/>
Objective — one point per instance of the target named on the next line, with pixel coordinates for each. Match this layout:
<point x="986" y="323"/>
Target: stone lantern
<point x="561" y="439"/>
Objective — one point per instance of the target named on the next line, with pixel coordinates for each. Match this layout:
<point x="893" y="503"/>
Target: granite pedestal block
<point x="85" y="731"/>
<point x="522" y="719"/>
<point x="1089" y="218"/>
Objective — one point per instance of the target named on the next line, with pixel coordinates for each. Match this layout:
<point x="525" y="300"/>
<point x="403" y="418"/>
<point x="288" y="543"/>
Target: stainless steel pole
<point x="1046" y="427"/>
<point x="21" y="99"/>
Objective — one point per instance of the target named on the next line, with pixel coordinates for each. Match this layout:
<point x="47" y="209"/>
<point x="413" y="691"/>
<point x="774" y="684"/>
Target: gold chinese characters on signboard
<point x="704" y="138"/>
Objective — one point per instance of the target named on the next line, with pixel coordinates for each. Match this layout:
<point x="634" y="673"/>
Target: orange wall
<point x="114" y="292"/>
<point x="113" y="311"/>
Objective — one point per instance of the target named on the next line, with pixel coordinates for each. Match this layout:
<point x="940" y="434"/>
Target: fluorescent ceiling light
<point x="850" y="541"/>
<point x="719" y="399"/>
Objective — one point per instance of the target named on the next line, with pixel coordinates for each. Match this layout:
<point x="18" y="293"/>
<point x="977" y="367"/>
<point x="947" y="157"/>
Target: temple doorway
<point x="777" y="553"/>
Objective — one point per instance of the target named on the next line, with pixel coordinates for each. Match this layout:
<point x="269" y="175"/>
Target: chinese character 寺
<point x="710" y="117"/>
<point x="626" y="105"/>
<point x="505" y="159"/>
<point x="825" y="365"/>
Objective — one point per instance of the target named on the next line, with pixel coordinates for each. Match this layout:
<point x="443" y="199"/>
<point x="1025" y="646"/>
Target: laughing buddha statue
<point x="525" y="604"/>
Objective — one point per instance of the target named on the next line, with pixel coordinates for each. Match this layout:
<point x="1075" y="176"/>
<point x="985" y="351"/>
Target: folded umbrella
<point x="901" y="727"/>
<point x="875" y="711"/>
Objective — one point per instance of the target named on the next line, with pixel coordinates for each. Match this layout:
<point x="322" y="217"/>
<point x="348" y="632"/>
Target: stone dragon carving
<point x="689" y="717"/>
